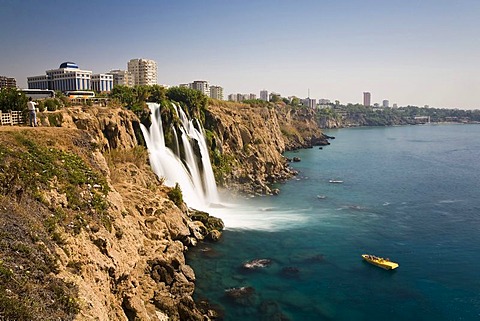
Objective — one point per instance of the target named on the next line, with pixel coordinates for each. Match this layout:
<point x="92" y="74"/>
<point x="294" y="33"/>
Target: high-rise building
<point x="264" y="95"/>
<point x="68" y="77"/>
<point x="232" y="97"/>
<point x="122" y="77"/>
<point x="366" y="99"/>
<point x="202" y="86"/>
<point x="144" y="71"/>
<point x="385" y="103"/>
<point x="216" y="92"/>
<point x="7" y="82"/>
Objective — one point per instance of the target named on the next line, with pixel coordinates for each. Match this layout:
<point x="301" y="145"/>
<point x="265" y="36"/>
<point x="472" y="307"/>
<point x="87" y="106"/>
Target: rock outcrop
<point x="254" y="137"/>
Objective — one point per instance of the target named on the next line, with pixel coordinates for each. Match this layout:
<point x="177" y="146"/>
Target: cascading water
<point x="198" y="184"/>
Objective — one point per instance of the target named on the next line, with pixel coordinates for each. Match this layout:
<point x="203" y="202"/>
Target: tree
<point x="124" y="94"/>
<point x="194" y="100"/>
<point x="12" y="99"/>
<point x="157" y="93"/>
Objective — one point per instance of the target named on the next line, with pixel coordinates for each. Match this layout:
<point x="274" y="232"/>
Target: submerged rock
<point x="257" y="263"/>
<point x="244" y="295"/>
<point x="290" y="272"/>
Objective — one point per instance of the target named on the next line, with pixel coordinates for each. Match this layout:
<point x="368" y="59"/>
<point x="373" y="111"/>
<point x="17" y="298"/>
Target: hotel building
<point x="68" y="77"/>
<point x="102" y="82"/>
<point x="144" y="71"/>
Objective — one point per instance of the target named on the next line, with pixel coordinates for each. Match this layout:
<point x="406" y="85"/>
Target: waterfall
<point x="198" y="184"/>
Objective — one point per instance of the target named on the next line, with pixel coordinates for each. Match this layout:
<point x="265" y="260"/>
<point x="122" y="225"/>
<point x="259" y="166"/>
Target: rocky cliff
<point x="253" y="138"/>
<point x="88" y="232"/>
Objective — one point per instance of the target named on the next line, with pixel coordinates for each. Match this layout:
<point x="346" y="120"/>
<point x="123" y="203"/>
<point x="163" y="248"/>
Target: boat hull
<point x="380" y="262"/>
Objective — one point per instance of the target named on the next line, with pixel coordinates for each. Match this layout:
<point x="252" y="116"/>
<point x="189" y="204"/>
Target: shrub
<point x="175" y="195"/>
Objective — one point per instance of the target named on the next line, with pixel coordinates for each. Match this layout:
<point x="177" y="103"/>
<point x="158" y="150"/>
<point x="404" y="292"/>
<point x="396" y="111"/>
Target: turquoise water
<point x="409" y="193"/>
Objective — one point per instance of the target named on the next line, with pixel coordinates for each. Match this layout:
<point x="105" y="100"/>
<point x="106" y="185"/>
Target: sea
<point x="409" y="193"/>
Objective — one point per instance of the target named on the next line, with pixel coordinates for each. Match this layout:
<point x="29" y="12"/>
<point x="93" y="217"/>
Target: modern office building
<point x="264" y="95"/>
<point x="102" y="82"/>
<point x="366" y="99"/>
<point x="7" y="82"/>
<point x="216" y="92"/>
<point x="122" y="77"/>
<point x="144" y="71"/>
<point x="68" y="77"/>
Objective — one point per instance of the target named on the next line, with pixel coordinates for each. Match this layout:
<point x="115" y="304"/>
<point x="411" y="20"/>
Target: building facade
<point x="7" y="82"/>
<point x="122" y="77"/>
<point x="216" y="92"/>
<point x="367" y="99"/>
<point x="385" y="103"/>
<point x="68" y="77"/>
<point x="102" y="82"/>
<point x="202" y="86"/>
<point x="264" y="95"/>
<point x="144" y="71"/>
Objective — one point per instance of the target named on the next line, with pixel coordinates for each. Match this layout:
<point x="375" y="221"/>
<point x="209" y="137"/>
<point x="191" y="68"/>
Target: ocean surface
<point x="410" y="193"/>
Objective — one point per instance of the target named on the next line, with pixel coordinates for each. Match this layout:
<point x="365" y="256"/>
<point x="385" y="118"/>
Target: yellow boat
<point x="380" y="262"/>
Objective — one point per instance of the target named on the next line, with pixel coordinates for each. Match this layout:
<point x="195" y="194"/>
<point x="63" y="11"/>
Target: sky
<point x="410" y="52"/>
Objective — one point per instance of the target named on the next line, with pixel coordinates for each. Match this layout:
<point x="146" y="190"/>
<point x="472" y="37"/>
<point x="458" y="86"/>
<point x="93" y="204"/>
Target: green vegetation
<point x="193" y="101"/>
<point x="175" y="195"/>
<point x="12" y="99"/>
<point x="359" y="115"/>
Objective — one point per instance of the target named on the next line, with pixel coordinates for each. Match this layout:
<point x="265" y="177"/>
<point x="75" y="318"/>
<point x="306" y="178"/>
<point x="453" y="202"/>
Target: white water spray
<point x="196" y="183"/>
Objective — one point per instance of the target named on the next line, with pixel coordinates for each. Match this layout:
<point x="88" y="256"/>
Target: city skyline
<point x="409" y="53"/>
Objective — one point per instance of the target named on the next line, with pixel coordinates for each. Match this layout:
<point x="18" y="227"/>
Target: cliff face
<point x="255" y="137"/>
<point x="100" y="239"/>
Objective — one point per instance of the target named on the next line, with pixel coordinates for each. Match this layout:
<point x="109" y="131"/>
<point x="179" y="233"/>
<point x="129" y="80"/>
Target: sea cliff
<point x="89" y="232"/>
<point x="253" y="139"/>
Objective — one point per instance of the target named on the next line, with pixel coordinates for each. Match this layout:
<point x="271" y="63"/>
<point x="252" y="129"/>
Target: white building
<point x="309" y="102"/>
<point x="122" y="77"/>
<point x="216" y="92"/>
<point x="102" y="82"/>
<point x="264" y="95"/>
<point x="144" y="71"/>
<point x="66" y="78"/>
<point x="232" y="97"/>
<point x="202" y="86"/>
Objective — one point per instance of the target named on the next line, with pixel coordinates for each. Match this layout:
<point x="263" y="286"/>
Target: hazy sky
<point x="409" y="52"/>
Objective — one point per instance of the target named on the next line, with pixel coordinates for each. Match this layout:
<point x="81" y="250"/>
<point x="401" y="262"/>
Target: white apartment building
<point x="202" y="86"/>
<point x="102" y="82"/>
<point x="122" y="77"/>
<point x="68" y="77"/>
<point x="216" y="92"/>
<point x="144" y="71"/>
